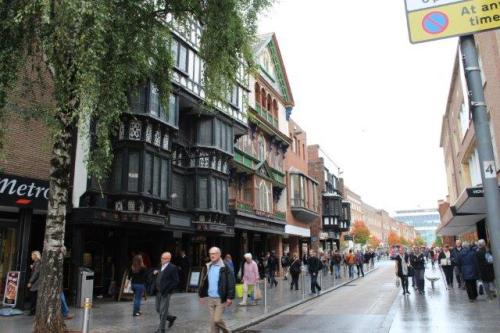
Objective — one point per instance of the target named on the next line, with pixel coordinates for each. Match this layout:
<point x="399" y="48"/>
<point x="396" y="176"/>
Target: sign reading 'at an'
<point x="437" y="19"/>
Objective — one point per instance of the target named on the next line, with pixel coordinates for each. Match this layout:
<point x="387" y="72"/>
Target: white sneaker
<point x="243" y="303"/>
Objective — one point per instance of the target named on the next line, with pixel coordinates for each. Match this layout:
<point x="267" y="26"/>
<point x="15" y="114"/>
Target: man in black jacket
<point x="272" y="267"/>
<point x="314" y="266"/>
<point x="167" y="279"/>
<point x="217" y="289"/>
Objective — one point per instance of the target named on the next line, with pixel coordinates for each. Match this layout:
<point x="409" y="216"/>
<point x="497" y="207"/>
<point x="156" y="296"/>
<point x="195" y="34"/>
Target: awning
<point x="469" y="209"/>
<point x="297" y="231"/>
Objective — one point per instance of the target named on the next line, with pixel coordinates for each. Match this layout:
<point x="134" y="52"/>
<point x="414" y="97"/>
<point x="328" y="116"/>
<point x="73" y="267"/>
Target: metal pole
<point x="265" y="294"/>
<point x="303" y="275"/>
<point x="86" y="315"/>
<point x="484" y="146"/>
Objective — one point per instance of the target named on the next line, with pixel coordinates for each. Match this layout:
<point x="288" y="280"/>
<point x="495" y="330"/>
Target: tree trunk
<point x="48" y="312"/>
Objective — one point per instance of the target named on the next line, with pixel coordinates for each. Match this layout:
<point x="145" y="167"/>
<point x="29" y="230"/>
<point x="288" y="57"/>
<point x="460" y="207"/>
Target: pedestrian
<point x="272" y="267"/>
<point x="137" y="275"/>
<point x="295" y="270"/>
<point x="166" y="281"/>
<point x="314" y="266"/>
<point x="417" y="261"/>
<point x="360" y="259"/>
<point x="350" y="260"/>
<point x="469" y="266"/>
<point x="228" y="260"/>
<point x="34" y="280"/>
<point x="65" y="308"/>
<point x="486" y="271"/>
<point x="402" y="269"/>
<point x="444" y="261"/>
<point x="183" y="266"/>
<point x="432" y="256"/>
<point x="285" y="264"/>
<point x="217" y="289"/>
<point x="324" y="263"/>
<point x="455" y="255"/>
<point x="336" y="261"/>
<point x="250" y="277"/>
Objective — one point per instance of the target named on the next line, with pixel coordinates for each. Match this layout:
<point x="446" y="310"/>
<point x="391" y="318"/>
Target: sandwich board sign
<point x="437" y="19"/>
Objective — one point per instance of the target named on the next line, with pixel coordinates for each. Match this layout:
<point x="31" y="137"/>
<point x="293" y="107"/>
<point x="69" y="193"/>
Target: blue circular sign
<point x="435" y="22"/>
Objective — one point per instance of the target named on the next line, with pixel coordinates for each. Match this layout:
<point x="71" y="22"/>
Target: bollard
<point x="265" y="295"/>
<point x="86" y="315"/>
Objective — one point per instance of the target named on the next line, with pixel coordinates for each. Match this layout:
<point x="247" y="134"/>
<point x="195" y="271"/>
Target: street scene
<point x="249" y="166"/>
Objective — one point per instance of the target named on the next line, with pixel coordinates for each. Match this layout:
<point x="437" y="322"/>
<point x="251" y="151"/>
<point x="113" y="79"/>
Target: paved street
<point x="374" y="304"/>
<point x="192" y="317"/>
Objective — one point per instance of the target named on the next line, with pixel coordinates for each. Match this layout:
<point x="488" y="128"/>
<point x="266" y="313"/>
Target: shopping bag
<point x="258" y="294"/>
<point x="128" y="287"/>
<point x="239" y="290"/>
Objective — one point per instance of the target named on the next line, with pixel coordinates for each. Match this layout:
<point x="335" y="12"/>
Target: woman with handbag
<point x="295" y="269"/>
<point x="444" y="261"/>
<point x="402" y="269"/>
<point x="250" y="276"/>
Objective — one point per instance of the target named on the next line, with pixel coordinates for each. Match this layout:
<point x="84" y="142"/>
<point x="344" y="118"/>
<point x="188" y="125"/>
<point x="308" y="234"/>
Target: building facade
<point x="335" y="217"/>
<point x="464" y="214"/>
<point x="303" y="206"/>
<point x="425" y="222"/>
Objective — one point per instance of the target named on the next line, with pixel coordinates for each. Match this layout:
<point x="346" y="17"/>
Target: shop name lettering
<point x="12" y="187"/>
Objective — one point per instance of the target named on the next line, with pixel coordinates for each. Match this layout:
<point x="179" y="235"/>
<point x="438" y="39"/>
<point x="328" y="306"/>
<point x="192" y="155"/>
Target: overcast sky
<point x="373" y="101"/>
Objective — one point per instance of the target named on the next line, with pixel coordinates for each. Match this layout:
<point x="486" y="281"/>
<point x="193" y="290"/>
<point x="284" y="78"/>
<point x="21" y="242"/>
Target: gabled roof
<point x="270" y="42"/>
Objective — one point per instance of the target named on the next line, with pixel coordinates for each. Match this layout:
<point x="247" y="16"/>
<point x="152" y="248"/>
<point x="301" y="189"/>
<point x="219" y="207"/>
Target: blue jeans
<point x="351" y="271"/>
<point x="138" y="292"/>
<point x="337" y="271"/>
<point x="64" y="305"/>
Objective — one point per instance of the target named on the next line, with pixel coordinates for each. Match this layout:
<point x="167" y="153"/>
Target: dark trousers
<point x="33" y="297"/>
<point x="448" y="273"/>
<point x="271" y="278"/>
<point x="404" y="283"/>
<point x="458" y="275"/>
<point x="360" y="270"/>
<point x="314" y="283"/>
<point x="420" y="279"/>
<point x="471" y="287"/>
<point x="295" y="281"/>
<point x="162" y="305"/>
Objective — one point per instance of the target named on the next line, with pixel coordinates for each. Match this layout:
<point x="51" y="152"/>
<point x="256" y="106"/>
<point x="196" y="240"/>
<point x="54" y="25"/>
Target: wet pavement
<point x="192" y="316"/>
<point x="374" y="304"/>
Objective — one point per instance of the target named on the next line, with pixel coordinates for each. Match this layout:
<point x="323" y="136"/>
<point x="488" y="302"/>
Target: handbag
<point x="398" y="282"/>
<point x="257" y="292"/>
<point x="481" y="289"/>
<point x="128" y="287"/>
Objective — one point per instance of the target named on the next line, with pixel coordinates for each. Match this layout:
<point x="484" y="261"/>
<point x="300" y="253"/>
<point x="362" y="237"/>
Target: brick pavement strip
<point x="192" y="316"/>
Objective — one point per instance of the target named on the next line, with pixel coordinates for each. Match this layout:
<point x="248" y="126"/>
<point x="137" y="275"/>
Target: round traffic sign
<point x="435" y="22"/>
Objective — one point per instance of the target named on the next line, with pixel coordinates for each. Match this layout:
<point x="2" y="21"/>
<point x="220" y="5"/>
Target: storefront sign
<point x="23" y="192"/>
<point x="11" y="287"/>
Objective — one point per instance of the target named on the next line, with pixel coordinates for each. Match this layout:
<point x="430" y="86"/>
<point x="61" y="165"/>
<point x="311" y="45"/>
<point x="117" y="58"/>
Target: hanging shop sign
<point x="11" y="288"/>
<point x="23" y="192"/>
<point x="437" y="19"/>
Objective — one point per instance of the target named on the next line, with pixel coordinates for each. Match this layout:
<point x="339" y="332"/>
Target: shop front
<point x="23" y="207"/>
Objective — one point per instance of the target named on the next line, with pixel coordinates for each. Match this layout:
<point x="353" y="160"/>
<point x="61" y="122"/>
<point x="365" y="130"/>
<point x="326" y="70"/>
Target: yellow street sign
<point x="436" y="19"/>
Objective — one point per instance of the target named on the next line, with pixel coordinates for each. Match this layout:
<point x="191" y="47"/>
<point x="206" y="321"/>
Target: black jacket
<point x="313" y="265"/>
<point x="486" y="272"/>
<point x="168" y="283"/>
<point x="417" y="262"/>
<point x="272" y="263"/>
<point x="226" y="284"/>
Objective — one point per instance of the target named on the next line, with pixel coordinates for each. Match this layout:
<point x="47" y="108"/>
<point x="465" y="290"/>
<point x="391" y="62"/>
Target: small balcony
<point x="303" y="210"/>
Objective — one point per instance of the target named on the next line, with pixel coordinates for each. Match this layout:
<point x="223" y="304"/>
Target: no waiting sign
<point x="437" y="19"/>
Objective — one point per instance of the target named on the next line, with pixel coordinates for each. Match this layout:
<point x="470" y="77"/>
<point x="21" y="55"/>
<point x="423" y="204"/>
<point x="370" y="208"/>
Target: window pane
<point x="117" y="173"/>
<point x="182" y="58"/>
<point x="148" y="164"/>
<point x="203" y="193"/>
<point x="219" y="194"/>
<point x="154" y="102"/>
<point x="164" y="178"/>
<point x="218" y="138"/>
<point x="224" y="196"/>
<point x="213" y="193"/>
<point x="178" y="191"/>
<point x="172" y="110"/>
<point x="175" y="50"/>
<point x="156" y="176"/>
<point x="205" y="132"/>
<point x="138" y="100"/>
<point x="133" y="171"/>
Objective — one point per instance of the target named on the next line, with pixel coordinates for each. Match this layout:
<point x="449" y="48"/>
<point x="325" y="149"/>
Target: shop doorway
<point x="7" y="254"/>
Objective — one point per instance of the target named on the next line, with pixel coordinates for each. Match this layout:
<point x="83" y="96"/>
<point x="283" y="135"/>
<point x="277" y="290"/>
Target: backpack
<point x="488" y="257"/>
<point x="351" y="260"/>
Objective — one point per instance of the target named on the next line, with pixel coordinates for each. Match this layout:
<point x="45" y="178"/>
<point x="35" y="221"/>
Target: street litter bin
<point x="85" y="286"/>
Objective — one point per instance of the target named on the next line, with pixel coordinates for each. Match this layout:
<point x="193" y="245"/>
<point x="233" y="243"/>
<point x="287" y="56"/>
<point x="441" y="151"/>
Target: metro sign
<point x="19" y="191"/>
